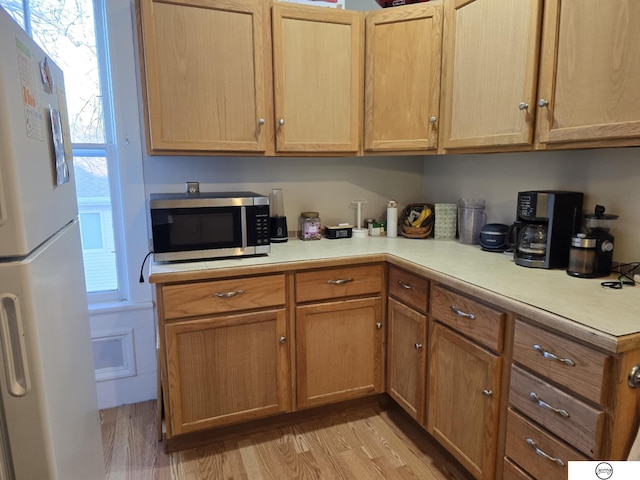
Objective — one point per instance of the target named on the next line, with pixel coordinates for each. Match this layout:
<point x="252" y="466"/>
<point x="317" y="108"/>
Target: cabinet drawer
<point x="410" y="289"/>
<point x="537" y="452"/>
<point x="568" y="363"/>
<point x="338" y="283"/>
<point x="513" y="472"/>
<point x="468" y="316"/>
<point x="221" y="296"/>
<point x="569" y="418"/>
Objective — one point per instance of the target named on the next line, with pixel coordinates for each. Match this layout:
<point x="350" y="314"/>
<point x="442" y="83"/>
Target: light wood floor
<point x="369" y="443"/>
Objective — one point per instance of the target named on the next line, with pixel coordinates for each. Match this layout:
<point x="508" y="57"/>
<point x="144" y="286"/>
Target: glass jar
<point x="310" y="226"/>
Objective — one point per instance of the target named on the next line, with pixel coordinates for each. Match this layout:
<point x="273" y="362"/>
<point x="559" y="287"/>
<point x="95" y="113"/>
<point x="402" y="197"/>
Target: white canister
<point x="392" y="218"/>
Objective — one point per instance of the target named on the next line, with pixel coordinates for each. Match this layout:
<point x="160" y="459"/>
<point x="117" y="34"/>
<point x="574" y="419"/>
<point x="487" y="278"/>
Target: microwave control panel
<point x="258" y="225"/>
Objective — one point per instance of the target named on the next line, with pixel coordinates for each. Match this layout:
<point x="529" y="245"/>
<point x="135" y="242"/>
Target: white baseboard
<point x="123" y="391"/>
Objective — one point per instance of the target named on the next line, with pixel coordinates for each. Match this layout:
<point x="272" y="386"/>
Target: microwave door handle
<point x="243" y="223"/>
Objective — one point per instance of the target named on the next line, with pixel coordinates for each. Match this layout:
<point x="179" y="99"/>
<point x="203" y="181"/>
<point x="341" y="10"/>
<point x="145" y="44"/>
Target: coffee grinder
<point x="545" y="222"/>
<point x="591" y="253"/>
<point x="278" y="221"/>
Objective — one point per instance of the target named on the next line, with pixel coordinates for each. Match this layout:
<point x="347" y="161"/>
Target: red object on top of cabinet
<point x="395" y="3"/>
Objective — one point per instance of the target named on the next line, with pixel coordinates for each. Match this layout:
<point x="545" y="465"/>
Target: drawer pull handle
<point x="405" y="285"/>
<point x="543" y="404"/>
<point x="543" y="454"/>
<point x="460" y="313"/>
<point x="551" y="356"/>
<point x="228" y="294"/>
<point x="342" y="281"/>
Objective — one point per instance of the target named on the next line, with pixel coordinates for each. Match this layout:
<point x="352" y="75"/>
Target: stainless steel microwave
<point x="200" y="226"/>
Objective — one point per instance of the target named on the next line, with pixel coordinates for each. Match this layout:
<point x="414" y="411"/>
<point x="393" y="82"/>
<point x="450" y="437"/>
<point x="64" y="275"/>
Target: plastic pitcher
<point x="471" y="218"/>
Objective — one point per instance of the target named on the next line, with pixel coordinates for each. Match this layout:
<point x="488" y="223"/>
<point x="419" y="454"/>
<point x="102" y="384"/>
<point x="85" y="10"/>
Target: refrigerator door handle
<point x="13" y="346"/>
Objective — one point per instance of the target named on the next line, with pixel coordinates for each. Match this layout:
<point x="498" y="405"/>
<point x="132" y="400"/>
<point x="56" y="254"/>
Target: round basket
<point x="426" y="227"/>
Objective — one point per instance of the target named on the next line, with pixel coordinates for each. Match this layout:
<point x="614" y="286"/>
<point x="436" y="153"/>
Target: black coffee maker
<point x="545" y="222"/>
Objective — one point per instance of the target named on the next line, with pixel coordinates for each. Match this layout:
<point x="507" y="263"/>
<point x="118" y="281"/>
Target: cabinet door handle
<point x="227" y="294"/>
<point x="281" y="122"/>
<point x="342" y="281"/>
<point x="417" y="346"/>
<point x="378" y="325"/>
<point x="487" y="393"/>
<point x="433" y="120"/>
<point x="405" y="285"/>
<point x="261" y="121"/>
<point x="543" y="102"/>
<point x="543" y="404"/>
<point x="283" y="340"/>
<point x="523" y="106"/>
<point x="460" y="313"/>
<point x="544" y="454"/>
<point x="551" y="356"/>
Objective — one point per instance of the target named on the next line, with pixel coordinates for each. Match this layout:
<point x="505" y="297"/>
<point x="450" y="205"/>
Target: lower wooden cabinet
<point x="339" y="351"/>
<point x="227" y="369"/>
<point x="407" y="358"/>
<point x="463" y="401"/>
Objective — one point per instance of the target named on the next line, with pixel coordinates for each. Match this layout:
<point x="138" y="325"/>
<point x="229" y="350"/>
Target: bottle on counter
<point x="392" y="218"/>
<point x="310" y="226"/>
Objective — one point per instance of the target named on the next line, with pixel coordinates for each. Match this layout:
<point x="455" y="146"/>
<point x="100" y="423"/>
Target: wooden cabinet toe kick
<point x="220" y="434"/>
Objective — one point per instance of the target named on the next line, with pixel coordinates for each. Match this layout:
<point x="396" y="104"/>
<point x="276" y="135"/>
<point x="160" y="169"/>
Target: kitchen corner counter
<point x="607" y="317"/>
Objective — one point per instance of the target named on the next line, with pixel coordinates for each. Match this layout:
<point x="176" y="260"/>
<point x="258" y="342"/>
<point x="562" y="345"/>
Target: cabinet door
<point x="318" y="78"/>
<point x="589" y="82"/>
<point x="490" y="59"/>
<point x="339" y="351"/>
<point x="464" y="397"/>
<point x="206" y="75"/>
<point x="402" y="83"/>
<point x="406" y="358"/>
<point x="227" y="369"/>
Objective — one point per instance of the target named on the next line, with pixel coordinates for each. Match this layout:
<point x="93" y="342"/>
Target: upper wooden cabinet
<point x="589" y="74"/>
<point x="402" y="78"/>
<point x="206" y="84"/>
<point x="318" y="79"/>
<point x="490" y="59"/>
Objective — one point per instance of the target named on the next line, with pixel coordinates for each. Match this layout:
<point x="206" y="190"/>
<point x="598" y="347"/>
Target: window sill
<point x="111" y="307"/>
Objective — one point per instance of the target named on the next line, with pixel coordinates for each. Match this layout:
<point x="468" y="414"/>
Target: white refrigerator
<point x="49" y="419"/>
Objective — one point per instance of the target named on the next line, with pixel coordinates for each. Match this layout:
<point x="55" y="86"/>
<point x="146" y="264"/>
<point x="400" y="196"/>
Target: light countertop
<point x="615" y="312"/>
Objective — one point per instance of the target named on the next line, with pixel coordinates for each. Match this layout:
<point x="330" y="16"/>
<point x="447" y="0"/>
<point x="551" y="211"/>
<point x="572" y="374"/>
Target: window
<point x="91" y="231"/>
<point x="73" y="34"/>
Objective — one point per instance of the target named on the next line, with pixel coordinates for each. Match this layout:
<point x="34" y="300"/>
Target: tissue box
<point x="319" y="3"/>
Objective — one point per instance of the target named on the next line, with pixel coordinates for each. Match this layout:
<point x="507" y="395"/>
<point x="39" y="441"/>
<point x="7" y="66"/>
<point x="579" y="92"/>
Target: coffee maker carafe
<point x="545" y="223"/>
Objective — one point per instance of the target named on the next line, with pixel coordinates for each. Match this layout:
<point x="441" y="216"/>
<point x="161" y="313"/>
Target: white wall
<point x="326" y="185"/>
<point x="609" y="177"/>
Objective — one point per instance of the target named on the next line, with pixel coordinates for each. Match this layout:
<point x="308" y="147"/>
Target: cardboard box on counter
<point x="377" y="229"/>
